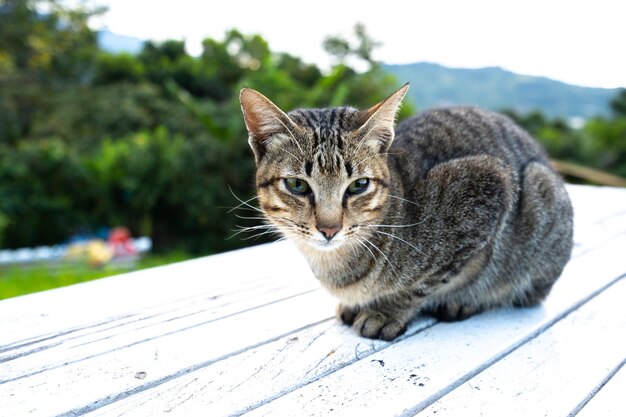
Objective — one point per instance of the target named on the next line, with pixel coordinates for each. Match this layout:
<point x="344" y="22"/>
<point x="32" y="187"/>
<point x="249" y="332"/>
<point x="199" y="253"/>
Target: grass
<point x="25" y="279"/>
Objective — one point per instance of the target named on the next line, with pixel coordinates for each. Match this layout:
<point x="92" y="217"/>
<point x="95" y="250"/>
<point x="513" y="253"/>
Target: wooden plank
<point x="609" y="400"/>
<point x="245" y="381"/>
<point x="417" y="371"/>
<point x="58" y="350"/>
<point x="98" y="372"/>
<point x="590" y="235"/>
<point x="296" y="363"/>
<point x="595" y="213"/>
<point x="552" y="373"/>
<point x="202" y="307"/>
<point x="596" y="203"/>
<point x="40" y="315"/>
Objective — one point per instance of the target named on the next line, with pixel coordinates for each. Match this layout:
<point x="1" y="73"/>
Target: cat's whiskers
<point x="358" y="240"/>
<point x="403" y="199"/>
<point x="251" y="229"/>
<point x="267" y="228"/>
<point x="287" y="231"/>
<point x="395" y="225"/>
<point x="250" y="217"/>
<point x="399" y="239"/>
<point x="249" y="209"/>
<point x="258" y="235"/>
<point x="292" y="229"/>
<point x="256" y="227"/>
<point x="365" y="240"/>
<point x="286" y="220"/>
<point x="243" y="204"/>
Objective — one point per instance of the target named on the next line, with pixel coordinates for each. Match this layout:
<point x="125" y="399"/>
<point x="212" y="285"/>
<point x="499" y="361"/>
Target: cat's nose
<point x="329" y="231"/>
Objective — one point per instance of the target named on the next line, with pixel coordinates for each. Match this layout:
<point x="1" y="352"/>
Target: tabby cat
<point x="455" y="211"/>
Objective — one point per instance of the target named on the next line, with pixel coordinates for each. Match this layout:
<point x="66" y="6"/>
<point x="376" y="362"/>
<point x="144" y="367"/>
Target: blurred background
<point x="121" y="139"/>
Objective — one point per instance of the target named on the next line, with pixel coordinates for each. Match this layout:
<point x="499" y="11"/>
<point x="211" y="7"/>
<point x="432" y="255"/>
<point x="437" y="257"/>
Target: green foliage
<point x="169" y="187"/>
<point x="600" y="143"/>
<point x="604" y="144"/>
<point x="156" y="141"/>
<point x="557" y="137"/>
<point x="19" y="105"/>
<point x="4" y="222"/>
<point x="36" y="182"/>
<point x="118" y="69"/>
<point x="618" y="103"/>
<point x="56" y="46"/>
<point x="362" y="48"/>
<point x="85" y="115"/>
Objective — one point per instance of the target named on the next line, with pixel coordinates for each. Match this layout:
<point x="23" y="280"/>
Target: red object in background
<point x="121" y="243"/>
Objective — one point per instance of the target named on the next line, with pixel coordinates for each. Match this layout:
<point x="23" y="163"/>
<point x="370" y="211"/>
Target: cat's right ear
<point x="263" y="120"/>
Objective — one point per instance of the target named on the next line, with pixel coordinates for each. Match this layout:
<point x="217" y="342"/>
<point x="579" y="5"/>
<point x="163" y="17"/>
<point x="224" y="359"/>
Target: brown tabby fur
<point x="462" y="213"/>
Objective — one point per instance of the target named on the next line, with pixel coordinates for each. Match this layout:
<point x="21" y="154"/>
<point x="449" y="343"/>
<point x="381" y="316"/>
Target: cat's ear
<point x="263" y="120"/>
<point x="378" y="120"/>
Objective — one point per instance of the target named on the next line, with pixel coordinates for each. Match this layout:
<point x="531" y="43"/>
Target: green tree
<point x="560" y="140"/>
<point x="85" y="116"/>
<point x="618" y="103"/>
<point x="362" y="49"/>
<point x="40" y="54"/>
<point x="604" y="144"/>
<point x="600" y="144"/>
<point x="118" y="68"/>
<point x="57" y="45"/>
<point x="44" y="192"/>
<point x="4" y="222"/>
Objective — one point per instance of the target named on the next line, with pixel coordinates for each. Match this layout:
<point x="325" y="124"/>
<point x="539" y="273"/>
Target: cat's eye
<point x="297" y="186"/>
<point x="358" y="186"/>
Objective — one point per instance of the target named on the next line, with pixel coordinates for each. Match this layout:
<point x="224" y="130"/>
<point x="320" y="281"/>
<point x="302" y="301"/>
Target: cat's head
<point x="322" y="174"/>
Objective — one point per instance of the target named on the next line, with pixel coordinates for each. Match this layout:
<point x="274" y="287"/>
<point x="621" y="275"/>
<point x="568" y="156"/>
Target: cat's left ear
<point x="379" y="120"/>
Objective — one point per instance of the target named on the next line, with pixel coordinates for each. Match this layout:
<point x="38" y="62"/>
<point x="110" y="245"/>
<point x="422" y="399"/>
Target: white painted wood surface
<point x="250" y="333"/>
<point x="609" y="399"/>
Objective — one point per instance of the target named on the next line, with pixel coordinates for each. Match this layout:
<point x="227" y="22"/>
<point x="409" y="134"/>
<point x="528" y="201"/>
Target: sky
<point x="578" y="42"/>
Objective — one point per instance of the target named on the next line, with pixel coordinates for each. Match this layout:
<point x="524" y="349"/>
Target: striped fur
<point x="462" y="211"/>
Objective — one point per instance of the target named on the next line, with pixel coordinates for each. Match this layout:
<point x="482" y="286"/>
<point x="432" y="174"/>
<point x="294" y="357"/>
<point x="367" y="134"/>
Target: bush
<point x="41" y="192"/>
<point x="171" y="188"/>
<point x="4" y="222"/>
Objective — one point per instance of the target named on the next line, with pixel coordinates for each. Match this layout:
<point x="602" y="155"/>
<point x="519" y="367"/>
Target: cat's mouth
<point x="327" y="245"/>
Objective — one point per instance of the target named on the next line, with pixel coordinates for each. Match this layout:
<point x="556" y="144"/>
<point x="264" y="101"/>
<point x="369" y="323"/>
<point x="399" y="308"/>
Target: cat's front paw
<point x="453" y="311"/>
<point x="347" y="314"/>
<point x="370" y="323"/>
<point x="377" y="325"/>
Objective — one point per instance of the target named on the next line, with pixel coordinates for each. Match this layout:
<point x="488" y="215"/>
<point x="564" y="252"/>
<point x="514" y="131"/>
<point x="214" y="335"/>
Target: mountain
<point x="114" y="43"/>
<point x="495" y="88"/>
